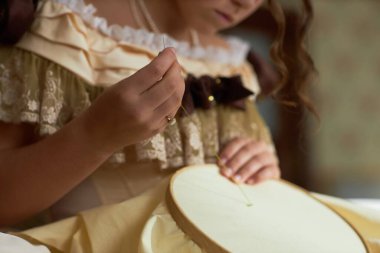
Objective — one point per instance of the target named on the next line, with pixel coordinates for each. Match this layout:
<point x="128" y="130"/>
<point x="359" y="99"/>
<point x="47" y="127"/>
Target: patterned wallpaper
<point x="345" y="42"/>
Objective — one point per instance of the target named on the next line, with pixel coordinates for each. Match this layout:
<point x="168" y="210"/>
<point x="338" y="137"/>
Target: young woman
<point x="95" y="114"/>
<point x="81" y="98"/>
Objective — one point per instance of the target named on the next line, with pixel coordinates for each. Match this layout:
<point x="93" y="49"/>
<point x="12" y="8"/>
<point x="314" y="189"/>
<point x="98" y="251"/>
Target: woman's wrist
<point x="88" y="138"/>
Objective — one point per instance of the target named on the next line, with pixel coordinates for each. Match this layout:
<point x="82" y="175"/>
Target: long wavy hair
<point x="299" y="66"/>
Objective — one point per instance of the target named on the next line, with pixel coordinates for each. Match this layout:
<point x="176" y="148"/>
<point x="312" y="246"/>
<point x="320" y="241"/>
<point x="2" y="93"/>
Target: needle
<point x="163" y="41"/>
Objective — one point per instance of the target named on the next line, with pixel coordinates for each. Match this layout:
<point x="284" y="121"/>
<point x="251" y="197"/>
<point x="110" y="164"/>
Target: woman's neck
<point x="164" y="13"/>
<point x="168" y="19"/>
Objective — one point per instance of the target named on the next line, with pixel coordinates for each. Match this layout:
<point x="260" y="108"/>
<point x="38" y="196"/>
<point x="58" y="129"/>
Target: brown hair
<point x="297" y="65"/>
<point x="15" y="18"/>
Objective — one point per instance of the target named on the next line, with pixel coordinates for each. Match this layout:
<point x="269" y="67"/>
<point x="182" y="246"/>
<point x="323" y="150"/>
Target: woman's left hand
<point x="247" y="161"/>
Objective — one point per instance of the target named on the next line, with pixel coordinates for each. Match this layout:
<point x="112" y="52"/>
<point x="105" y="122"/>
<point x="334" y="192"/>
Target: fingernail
<point x="228" y="172"/>
<point x="172" y="49"/>
<point x="223" y="161"/>
<point x="237" y="178"/>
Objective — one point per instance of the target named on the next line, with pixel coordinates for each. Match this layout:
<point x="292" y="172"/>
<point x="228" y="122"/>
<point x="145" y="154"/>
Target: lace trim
<point x="235" y="56"/>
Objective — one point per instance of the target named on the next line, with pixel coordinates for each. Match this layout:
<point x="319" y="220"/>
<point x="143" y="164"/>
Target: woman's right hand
<point x="137" y="107"/>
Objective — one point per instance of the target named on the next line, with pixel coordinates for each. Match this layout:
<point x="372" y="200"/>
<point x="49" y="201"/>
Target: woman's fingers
<point x="238" y="152"/>
<point x="232" y="148"/>
<point x="171" y="105"/>
<point x="270" y="172"/>
<point x="152" y="73"/>
<point x="168" y="109"/>
<point x="253" y="166"/>
<point x="245" y="160"/>
<point x="165" y="96"/>
<point x="159" y="86"/>
<point x="171" y="87"/>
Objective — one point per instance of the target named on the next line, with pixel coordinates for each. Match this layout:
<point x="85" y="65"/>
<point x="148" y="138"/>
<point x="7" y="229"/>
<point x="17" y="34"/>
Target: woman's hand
<point x="138" y="107"/>
<point x="247" y="161"/>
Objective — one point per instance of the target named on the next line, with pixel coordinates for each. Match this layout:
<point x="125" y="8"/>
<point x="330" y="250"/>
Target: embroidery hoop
<point x="283" y="218"/>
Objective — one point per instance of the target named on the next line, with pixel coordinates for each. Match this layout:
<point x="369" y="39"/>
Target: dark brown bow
<point x="205" y="91"/>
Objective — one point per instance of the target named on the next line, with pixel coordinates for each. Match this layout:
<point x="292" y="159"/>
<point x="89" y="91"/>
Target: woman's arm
<point x="34" y="175"/>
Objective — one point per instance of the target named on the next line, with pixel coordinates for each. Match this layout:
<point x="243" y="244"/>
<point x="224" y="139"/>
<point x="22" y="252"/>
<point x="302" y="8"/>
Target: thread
<point x="244" y="194"/>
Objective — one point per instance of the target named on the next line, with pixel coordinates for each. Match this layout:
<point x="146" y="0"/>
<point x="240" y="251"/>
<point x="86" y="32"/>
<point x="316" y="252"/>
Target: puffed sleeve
<point x="37" y="91"/>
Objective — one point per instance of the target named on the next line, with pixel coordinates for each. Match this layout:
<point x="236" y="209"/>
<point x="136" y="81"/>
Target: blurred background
<point x="341" y="154"/>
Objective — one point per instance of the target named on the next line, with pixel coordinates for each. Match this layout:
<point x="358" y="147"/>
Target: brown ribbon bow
<point x="205" y="91"/>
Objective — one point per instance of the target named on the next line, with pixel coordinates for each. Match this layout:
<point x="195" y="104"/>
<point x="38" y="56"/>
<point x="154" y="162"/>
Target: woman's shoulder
<point x="71" y="34"/>
<point x="227" y="50"/>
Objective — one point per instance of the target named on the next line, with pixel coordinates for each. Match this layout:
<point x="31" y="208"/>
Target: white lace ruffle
<point x="236" y="55"/>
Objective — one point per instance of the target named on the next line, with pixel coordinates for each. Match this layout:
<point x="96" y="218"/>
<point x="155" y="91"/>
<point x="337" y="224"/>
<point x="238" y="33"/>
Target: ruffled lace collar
<point x="236" y="55"/>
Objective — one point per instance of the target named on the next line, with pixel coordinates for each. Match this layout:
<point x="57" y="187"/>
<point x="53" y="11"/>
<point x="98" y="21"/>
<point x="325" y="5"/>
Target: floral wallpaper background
<point x="345" y="43"/>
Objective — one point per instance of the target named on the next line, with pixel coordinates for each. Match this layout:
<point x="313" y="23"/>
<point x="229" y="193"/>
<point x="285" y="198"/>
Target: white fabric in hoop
<point x="283" y="218"/>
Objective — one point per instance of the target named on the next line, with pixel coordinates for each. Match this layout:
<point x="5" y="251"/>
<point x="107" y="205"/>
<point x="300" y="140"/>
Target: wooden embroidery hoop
<point x="283" y="218"/>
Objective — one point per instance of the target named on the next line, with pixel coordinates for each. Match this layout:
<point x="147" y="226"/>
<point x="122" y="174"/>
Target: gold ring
<point x="170" y="120"/>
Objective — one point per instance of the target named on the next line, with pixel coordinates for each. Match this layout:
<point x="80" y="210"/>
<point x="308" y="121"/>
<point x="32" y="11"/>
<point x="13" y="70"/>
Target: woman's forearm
<point x="33" y="177"/>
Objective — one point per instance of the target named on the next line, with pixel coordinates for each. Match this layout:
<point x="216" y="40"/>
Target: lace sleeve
<point x="35" y="90"/>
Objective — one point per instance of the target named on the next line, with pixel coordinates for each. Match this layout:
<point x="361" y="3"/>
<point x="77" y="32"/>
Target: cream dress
<point x="67" y="58"/>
